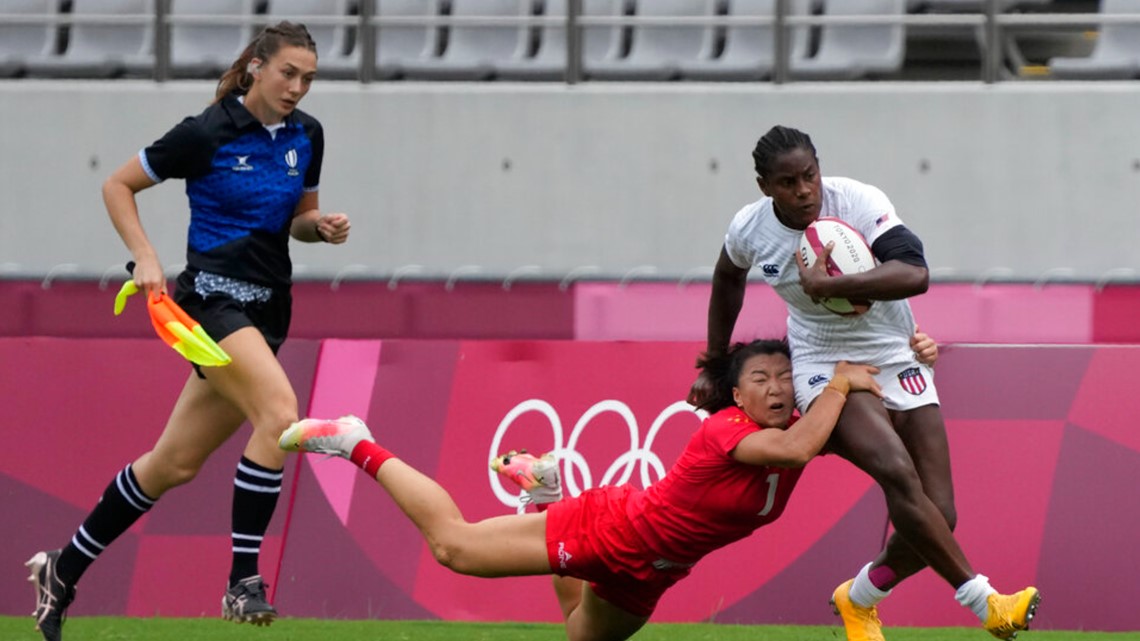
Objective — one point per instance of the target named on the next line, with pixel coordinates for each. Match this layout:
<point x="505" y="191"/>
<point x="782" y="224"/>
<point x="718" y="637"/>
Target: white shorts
<point x="906" y="385"/>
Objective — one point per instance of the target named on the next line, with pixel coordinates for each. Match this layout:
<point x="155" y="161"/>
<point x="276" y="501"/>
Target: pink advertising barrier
<point x="607" y="311"/>
<point x="350" y="309"/>
<point x="1042" y="442"/>
<point x="994" y="313"/>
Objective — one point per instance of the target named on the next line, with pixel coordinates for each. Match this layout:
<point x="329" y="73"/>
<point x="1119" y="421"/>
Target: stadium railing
<point x="993" y="31"/>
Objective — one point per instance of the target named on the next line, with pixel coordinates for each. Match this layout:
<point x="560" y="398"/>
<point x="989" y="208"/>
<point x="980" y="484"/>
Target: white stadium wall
<point x="1017" y="180"/>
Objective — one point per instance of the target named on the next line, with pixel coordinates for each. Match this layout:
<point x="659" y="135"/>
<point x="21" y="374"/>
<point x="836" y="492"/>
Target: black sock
<point x="122" y="503"/>
<point x="256" y="489"/>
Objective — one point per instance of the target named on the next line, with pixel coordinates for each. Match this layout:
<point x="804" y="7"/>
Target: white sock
<point x="973" y="594"/>
<point x="863" y="592"/>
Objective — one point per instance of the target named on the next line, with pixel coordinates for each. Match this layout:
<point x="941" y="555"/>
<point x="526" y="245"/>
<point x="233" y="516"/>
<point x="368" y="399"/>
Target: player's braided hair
<point x="724" y="369"/>
<point x="778" y="140"/>
<point x="263" y="46"/>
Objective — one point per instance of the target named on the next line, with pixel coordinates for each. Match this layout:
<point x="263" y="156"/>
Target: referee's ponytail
<point x="239" y="77"/>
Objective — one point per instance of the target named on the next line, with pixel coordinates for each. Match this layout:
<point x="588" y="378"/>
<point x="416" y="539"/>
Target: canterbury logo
<point x="817" y="380"/>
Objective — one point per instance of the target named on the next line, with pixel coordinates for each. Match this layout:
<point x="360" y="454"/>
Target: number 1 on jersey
<point x="773" y="479"/>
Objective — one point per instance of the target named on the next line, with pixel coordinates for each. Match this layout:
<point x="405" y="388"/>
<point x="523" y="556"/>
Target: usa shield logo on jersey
<point x="912" y="380"/>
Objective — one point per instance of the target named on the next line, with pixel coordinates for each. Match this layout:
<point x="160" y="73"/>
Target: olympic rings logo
<point x="640" y="455"/>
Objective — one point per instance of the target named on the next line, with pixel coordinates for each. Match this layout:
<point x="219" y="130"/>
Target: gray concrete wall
<point x="1037" y="179"/>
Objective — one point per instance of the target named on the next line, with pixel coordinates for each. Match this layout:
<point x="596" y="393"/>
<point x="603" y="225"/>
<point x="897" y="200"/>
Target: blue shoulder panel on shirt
<point x="254" y="184"/>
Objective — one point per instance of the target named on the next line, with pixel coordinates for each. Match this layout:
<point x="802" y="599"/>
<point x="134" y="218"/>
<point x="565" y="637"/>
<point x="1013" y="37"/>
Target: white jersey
<point x="756" y="238"/>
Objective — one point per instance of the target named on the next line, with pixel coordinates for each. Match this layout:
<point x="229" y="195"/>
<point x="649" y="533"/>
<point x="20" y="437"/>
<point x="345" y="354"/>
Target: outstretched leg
<point x="513" y="545"/>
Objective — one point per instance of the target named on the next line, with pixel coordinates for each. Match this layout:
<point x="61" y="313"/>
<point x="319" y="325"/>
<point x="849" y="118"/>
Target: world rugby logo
<point x="291" y="161"/>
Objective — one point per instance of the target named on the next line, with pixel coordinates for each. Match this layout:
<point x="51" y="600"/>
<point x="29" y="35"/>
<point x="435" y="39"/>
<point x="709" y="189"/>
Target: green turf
<point x="163" y="629"/>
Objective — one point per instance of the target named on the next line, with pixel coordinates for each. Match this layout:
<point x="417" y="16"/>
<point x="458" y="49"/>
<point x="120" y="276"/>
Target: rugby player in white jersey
<point x="899" y="440"/>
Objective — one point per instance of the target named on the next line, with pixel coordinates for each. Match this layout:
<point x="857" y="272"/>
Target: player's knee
<point x="943" y="499"/>
<point x="449" y="554"/>
<point x="895" y="473"/>
<point x="276" y="419"/>
<point x="174" y="473"/>
<point x="457" y="552"/>
<point x="950" y="514"/>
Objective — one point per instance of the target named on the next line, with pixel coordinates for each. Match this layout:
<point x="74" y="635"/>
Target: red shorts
<point x="590" y="537"/>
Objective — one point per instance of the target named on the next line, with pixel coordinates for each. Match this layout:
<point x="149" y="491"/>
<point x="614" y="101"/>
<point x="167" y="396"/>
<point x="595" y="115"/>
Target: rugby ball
<point x="850" y="255"/>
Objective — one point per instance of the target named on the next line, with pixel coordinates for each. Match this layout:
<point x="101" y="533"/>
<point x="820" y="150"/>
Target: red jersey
<point x="710" y="499"/>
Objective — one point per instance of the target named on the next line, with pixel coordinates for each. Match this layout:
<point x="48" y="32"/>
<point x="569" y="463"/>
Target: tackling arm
<point x="728" y="284"/>
<point x="794" y="446"/>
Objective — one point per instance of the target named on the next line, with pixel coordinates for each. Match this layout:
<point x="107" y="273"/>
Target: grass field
<point x="132" y="629"/>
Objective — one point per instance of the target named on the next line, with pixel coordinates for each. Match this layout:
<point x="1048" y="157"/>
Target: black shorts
<point x="221" y="314"/>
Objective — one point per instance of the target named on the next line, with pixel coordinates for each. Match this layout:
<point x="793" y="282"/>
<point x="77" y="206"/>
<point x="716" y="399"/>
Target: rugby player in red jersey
<point x="616" y="549"/>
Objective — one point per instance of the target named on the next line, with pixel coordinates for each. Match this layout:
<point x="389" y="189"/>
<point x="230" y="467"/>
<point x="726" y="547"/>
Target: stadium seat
<point x="200" y="50"/>
<point x="656" y="52"/>
<point x="23" y="41"/>
<point x="472" y="51"/>
<point x="103" y="50"/>
<point x="972" y="6"/>
<point x="749" y="51"/>
<point x="333" y="55"/>
<point x="397" y="45"/>
<point x="847" y="52"/>
<point x="1116" y="54"/>
<point x="549" y="61"/>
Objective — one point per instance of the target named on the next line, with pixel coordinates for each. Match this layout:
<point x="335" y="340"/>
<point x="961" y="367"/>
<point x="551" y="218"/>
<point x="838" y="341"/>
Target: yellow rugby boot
<point x="861" y="624"/>
<point x="1008" y="614"/>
